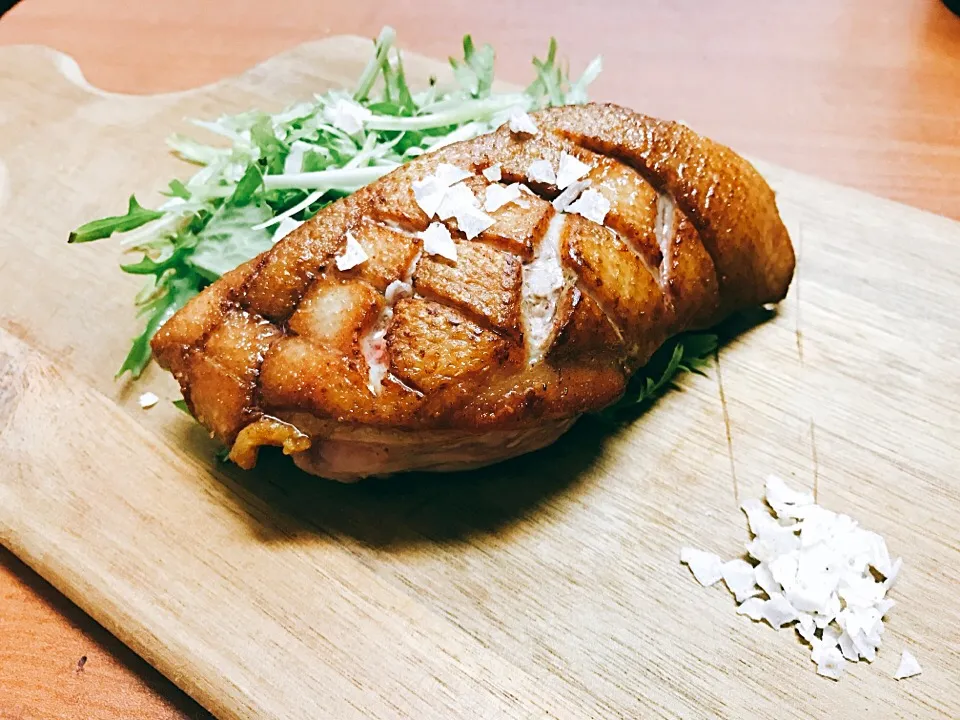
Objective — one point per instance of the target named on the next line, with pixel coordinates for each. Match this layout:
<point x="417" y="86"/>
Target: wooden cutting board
<point x="545" y="587"/>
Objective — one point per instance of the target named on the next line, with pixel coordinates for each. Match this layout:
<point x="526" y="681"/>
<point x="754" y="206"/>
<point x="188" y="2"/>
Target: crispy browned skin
<point x="693" y="234"/>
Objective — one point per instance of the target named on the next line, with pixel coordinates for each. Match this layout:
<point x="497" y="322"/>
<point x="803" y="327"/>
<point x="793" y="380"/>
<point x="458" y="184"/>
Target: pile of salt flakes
<point x="813" y="568"/>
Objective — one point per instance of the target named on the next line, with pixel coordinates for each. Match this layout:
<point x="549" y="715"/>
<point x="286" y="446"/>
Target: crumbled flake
<point x="885" y="605"/>
<point x="591" y="205"/>
<point x="148" y="400"/>
<point x="346" y="115"/>
<point x="497" y="196"/>
<point x="521" y="123"/>
<point x="848" y="649"/>
<point x="740" y="579"/>
<point x="397" y="290"/>
<point x="783" y="500"/>
<point x="455" y="200"/>
<point x="429" y="193"/>
<point x="562" y="201"/>
<point x="765" y="580"/>
<point x="908" y="666"/>
<point x="459" y="202"/>
<point x="783" y="568"/>
<point x="706" y="567"/>
<point x="816" y="568"/>
<point x="570" y="170"/>
<point x="493" y="173"/>
<point x="449" y="175"/>
<point x="806" y="628"/>
<point x="473" y="221"/>
<point x="437" y="241"/>
<point x="773" y="542"/>
<point x="752" y="608"/>
<point x="778" y="611"/>
<point x="894" y="574"/>
<point x="830" y="662"/>
<point x="353" y="254"/>
<point x="541" y="171"/>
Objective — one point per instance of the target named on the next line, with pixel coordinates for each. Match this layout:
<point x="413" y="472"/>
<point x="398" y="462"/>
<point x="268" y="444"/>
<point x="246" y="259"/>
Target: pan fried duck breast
<point x="472" y="304"/>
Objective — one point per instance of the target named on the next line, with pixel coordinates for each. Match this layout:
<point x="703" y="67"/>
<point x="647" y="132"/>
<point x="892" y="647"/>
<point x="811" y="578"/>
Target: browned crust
<point x="244" y="348"/>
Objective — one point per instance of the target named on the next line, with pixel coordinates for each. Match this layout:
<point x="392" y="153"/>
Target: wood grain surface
<point x="841" y="119"/>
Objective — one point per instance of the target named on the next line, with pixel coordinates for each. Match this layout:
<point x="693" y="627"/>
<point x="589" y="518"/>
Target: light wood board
<point x="545" y="587"/>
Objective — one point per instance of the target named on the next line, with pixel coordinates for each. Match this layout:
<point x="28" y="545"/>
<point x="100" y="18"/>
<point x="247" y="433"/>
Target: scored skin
<point x="252" y="345"/>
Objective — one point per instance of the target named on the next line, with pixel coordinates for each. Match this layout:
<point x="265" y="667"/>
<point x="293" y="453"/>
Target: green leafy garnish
<point x="105" y="227"/>
<point x="182" y="406"/>
<point x="278" y="170"/>
<point x="690" y="352"/>
<point x="268" y="173"/>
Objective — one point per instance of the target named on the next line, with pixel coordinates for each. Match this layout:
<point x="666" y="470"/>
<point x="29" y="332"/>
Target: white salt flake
<point x="706" y="567"/>
<point x="541" y="171"/>
<point x="885" y="605"/>
<point x="908" y="666"/>
<point x="779" y="612"/>
<point x="784" y="500"/>
<point x="772" y="542"/>
<point x="449" y="175"/>
<point x="521" y="123"/>
<point x="830" y="662"/>
<point x="570" y="170"/>
<point x="473" y="221"/>
<point x="346" y="115"/>
<point x="148" y="400"/>
<point x="818" y="569"/>
<point x="493" y="173"/>
<point x="563" y="201"/>
<point x="591" y="205"/>
<point x="765" y="580"/>
<point x="783" y="568"/>
<point x="740" y="579"/>
<point x="353" y="254"/>
<point x="848" y="648"/>
<point x="496" y="196"/>
<point x="806" y="628"/>
<point x="894" y="574"/>
<point x="397" y="290"/>
<point x="758" y="517"/>
<point x="429" y="193"/>
<point x="437" y="241"/>
<point x="456" y="199"/>
<point x="752" y="608"/>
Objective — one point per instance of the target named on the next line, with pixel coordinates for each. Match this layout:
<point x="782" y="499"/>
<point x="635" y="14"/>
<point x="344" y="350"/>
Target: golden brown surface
<point x="859" y="92"/>
<point x="288" y="330"/>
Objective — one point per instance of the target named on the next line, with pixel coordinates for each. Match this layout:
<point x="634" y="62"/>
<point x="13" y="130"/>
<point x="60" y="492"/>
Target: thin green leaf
<point x="273" y="151"/>
<point x="105" y="227"/>
<point x="685" y="353"/>
<point x="182" y="406"/>
<point x="251" y="181"/>
<point x="179" y="291"/>
<point x="178" y="189"/>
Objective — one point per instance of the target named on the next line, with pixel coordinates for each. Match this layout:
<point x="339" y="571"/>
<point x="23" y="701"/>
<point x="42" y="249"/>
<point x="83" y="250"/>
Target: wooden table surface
<point x="862" y="93"/>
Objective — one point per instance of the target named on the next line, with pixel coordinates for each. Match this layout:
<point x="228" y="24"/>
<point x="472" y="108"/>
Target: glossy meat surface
<point x="542" y="317"/>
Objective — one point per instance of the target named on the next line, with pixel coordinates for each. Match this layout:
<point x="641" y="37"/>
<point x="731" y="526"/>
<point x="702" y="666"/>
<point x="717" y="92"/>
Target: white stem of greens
<point x="327" y="179"/>
<point x="368" y="77"/>
<point x="302" y="205"/>
<point x="159" y="228"/>
<point x="467" y="111"/>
